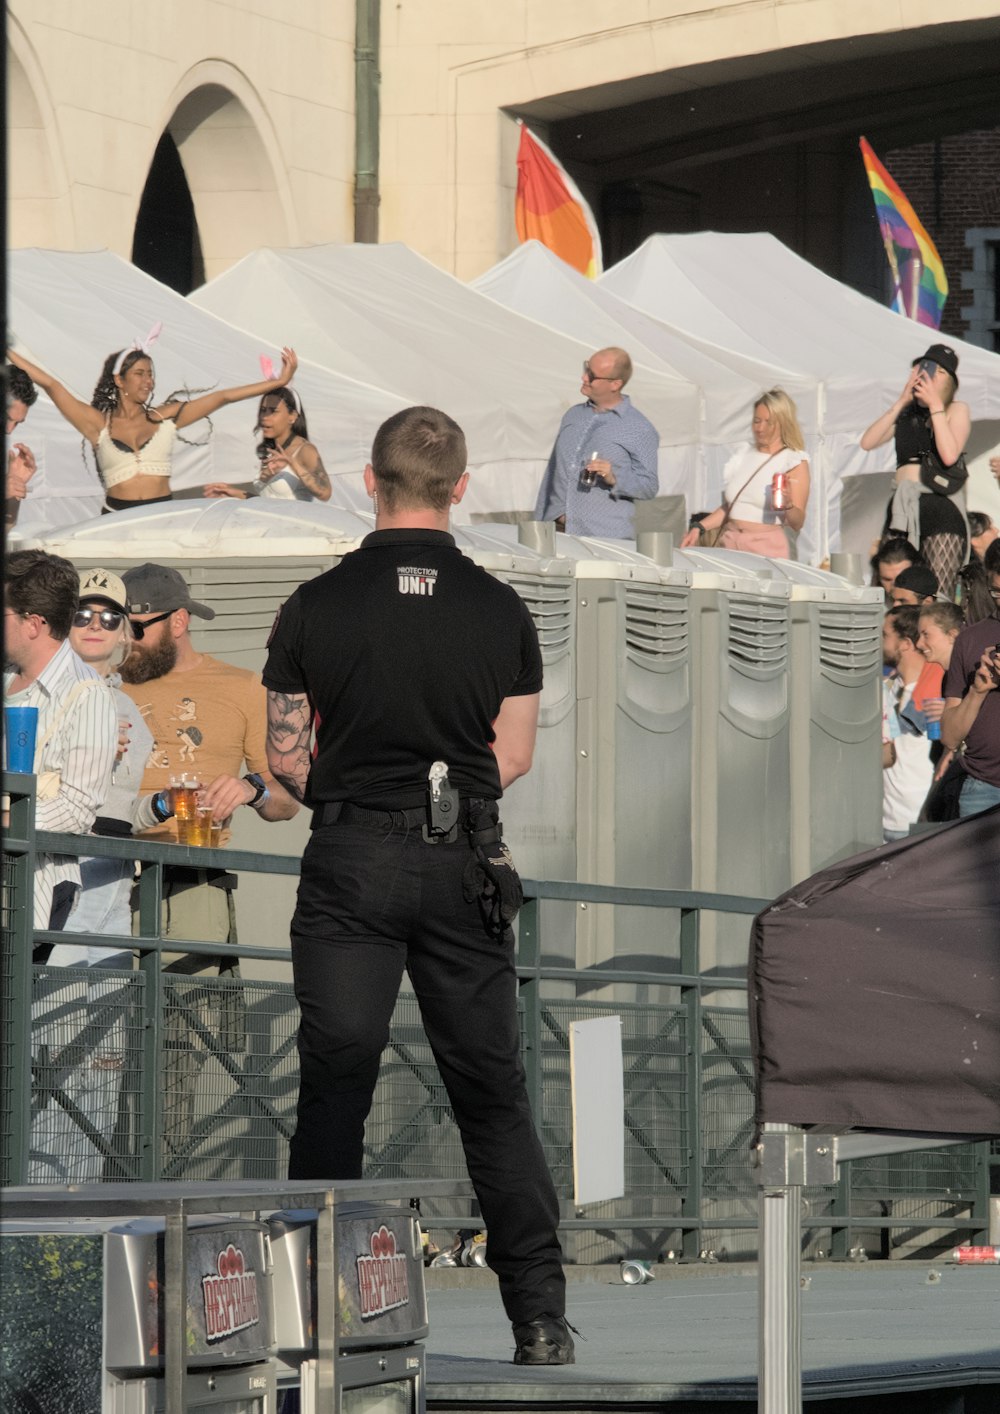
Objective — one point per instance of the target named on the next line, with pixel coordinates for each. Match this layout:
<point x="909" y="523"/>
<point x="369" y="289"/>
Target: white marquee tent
<point x="752" y="294"/>
<point x="383" y="313"/>
<point x="69" y="310"/>
<point x="536" y="283"/>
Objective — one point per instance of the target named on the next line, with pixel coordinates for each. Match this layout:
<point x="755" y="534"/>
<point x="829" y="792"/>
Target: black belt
<point x="345" y="812"/>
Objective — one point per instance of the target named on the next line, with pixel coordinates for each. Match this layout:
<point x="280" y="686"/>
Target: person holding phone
<point x="931" y="429"/>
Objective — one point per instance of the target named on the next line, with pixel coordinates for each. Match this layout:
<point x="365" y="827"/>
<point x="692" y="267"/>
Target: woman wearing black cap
<point x="930" y="430"/>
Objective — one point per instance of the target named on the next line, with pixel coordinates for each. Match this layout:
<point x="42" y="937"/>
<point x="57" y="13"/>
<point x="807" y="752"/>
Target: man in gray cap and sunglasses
<point x="209" y="720"/>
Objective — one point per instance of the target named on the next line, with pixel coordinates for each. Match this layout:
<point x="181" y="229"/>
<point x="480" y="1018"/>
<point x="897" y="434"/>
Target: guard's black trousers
<point x="373" y="899"/>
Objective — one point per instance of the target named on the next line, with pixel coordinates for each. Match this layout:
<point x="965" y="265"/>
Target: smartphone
<point x="928" y="366"/>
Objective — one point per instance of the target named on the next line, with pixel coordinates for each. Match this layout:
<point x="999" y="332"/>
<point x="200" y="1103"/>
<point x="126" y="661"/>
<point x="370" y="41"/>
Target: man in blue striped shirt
<point x="604" y="457"/>
<point x="77" y="735"/>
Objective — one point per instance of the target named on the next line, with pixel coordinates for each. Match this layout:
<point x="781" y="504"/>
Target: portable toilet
<point x="539" y="811"/>
<point x="633" y="747"/>
<point x="742" y="778"/>
<point x="836" y="708"/>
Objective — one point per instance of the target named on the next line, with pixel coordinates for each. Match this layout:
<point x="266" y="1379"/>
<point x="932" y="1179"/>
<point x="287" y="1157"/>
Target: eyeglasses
<point x="109" y="619"/>
<point x="593" y="377"/>
<point x="139" y="628"/>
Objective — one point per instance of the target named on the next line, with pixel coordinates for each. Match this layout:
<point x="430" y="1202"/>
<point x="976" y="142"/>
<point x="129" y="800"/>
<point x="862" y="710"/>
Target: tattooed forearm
<point x="289" y="733"/>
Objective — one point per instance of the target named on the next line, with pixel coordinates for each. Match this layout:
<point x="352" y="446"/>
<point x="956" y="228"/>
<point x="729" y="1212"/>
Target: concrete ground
<point x="691" y="1335"/>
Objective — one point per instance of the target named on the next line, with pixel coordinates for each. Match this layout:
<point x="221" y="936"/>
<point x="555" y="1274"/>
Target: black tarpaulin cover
<point x="874" y="989"/>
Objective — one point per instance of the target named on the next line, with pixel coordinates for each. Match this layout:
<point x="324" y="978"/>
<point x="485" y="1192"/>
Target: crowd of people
<point x="406" y="865"/>
<point x="128" y="710"/>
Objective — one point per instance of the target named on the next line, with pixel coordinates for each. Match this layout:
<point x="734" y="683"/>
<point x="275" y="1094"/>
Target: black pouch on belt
<point x="490" y="875"/>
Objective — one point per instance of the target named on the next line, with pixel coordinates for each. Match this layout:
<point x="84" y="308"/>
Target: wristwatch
<point x="263" y="795"/>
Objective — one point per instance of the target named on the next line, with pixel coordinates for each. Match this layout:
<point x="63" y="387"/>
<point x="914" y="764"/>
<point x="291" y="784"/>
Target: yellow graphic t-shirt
<point x="208" y="722"/>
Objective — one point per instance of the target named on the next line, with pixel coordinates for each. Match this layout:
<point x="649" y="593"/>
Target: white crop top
<point x="117" y="462"/>
<point x="754" y="503"/>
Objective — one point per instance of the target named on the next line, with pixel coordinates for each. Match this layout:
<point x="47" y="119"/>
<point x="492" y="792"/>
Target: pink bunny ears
<point x="140" y="346"/>
<point x="268" y="369"/>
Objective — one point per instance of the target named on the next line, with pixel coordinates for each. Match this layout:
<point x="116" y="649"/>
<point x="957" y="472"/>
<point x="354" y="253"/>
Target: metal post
<point x="151" y="1100"/>
<point x="17" y="979"/>
<point x="529" y="955"/>
<point x="327" y="1309"/>
<point x="175" y="1311"/>
<point x="779" y="1274"/>
<point x="691" y="1001"/>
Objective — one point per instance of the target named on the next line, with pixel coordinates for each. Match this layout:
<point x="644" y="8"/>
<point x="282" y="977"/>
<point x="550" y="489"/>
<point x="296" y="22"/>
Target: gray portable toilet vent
<point x="550" y="603"/>
<point x="758" y="634"/>
<point x="850" y="640"/>
<point x="657" y="623"/>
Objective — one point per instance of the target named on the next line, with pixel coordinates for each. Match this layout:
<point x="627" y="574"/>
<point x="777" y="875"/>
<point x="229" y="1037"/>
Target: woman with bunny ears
<point x="291" y="469"/>
<point x="133" y="441"/>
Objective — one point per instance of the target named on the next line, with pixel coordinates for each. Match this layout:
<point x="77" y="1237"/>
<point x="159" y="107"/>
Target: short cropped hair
<point x="905" y="619"/>
<point x="20" y="388"/>
<point x="38" y="583"/>
<point x="418" y="455"/>
<point x="991" y="560"/>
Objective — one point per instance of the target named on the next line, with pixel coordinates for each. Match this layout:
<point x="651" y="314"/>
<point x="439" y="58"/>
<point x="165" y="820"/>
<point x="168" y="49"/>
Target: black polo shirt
<point x="406" y="650"/>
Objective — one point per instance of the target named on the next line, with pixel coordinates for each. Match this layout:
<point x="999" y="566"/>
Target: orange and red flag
<point x="549" y="208"/>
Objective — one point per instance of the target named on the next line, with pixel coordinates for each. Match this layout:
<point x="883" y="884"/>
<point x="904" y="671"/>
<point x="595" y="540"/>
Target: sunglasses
<point x="109" y="619"/>
<point x="139" y="628"/>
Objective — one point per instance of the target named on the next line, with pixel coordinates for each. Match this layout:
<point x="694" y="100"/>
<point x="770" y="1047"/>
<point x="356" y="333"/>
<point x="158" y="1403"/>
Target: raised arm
<point x="86" y="419"/>
<point x="289" y="734"/>
<point x="193" y="410"/>
<point x="883" y="427"/>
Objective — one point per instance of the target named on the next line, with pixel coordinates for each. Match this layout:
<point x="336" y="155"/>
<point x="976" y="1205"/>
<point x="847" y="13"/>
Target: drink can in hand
<point x="779" y="490"/>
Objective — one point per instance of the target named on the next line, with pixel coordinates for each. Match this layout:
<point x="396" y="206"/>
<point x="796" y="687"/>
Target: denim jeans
<point x="976" y="797"/>
<point x="375" y="900"/>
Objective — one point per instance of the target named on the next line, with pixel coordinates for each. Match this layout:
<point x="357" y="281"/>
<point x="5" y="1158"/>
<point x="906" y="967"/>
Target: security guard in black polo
<point x="419" y="676"/>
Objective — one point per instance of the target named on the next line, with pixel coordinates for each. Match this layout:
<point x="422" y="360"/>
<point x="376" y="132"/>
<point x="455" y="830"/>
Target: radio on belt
<point x="443" y="806"/>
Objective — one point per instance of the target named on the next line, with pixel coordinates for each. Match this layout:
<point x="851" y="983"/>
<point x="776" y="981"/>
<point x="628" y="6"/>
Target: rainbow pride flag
<point x="549" y="208"/>
<point x="921" y="286"/>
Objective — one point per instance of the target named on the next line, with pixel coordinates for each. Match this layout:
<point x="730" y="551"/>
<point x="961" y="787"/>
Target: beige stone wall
<point x="451" y="66"/>
<point x="259" y="96"/>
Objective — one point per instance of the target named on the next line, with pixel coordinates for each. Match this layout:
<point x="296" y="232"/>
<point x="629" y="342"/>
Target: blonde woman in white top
<point x="748" y="518"/>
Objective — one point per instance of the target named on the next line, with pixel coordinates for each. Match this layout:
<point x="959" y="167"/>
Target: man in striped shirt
<point x="77" y="735"/>
<point x="604" y="458"/>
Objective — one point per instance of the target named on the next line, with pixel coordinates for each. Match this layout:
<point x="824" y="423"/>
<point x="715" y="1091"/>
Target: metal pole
<point x="327" y="1309"/>
<point x="366" y="120"/>
<point x="779" y="1272"/>
<point x="691" y="1002"/>
<point x="175" y="1312"/>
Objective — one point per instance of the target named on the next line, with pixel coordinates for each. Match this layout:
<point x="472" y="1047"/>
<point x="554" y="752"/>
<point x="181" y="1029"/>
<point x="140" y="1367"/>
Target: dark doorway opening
<point x="166" y="243"/>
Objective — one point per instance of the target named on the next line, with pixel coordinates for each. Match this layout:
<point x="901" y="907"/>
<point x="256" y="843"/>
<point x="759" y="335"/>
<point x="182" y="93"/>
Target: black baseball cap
<point x="157" y="589"/>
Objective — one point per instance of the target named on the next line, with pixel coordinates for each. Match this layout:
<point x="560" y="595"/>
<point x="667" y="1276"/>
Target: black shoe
<point x="545" y="1341"/>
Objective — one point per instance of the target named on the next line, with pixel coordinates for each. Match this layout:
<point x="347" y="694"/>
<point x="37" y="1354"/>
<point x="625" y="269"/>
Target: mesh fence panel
<point x="727" y="1097"/>
<point x="229" y="1078"/>
<point x="86" y="1047"/>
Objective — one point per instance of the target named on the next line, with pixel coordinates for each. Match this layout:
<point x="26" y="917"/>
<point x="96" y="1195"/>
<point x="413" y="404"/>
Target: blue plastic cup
<point x="20" y="728"/>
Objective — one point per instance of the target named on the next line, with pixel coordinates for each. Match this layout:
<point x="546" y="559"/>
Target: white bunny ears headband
<point x="270" y="370"/>
<point x="143" y="346"/>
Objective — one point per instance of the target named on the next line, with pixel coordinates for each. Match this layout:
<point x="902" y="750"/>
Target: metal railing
<point x="194" y="1077"/>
